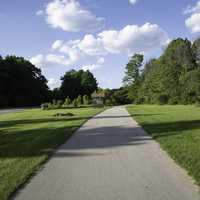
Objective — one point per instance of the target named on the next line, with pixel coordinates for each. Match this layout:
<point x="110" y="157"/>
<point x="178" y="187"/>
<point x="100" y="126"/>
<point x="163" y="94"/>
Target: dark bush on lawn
<point x="63" y="115"/>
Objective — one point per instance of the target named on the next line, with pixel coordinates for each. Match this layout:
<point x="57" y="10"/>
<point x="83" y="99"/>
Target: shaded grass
<point x="177" y="129"/>
<point x="28" y="138"/>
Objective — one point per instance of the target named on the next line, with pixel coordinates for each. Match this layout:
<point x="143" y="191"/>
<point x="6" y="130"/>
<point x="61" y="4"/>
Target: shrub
<point x="75" y="104"/>
<point x="86" y="100"/>
<point x="63" y="115"/>
<point x="110" y="102"/>
<point x="79" y="100"/>
<point x="67" y="101"/>
<point x="173" y="101"/>
<point x="59" y="104"/>
<point x="163" y="99"/>
<point x="45" y="106"/>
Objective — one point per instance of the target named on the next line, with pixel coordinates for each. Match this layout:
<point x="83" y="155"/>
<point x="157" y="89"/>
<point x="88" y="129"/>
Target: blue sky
<point x="99" y="35"/>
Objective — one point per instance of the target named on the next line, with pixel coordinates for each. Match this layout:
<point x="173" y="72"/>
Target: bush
<point x="163" y="99"/>
<point x="59" y="104"/>
<point x="51" y="106"/>
<point x="75" y="104"/>
<point x="110" y="102"/>
<point x="63" y="115"/>
<point x="45" y="106"/>
<point x="173" y="101"/>
<point x="79" y="100"/>
<point x="67" y="101"/>
<point x="86" y="100"/>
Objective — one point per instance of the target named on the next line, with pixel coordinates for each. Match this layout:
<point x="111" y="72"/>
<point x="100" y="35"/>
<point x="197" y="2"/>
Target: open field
<point x="28" y="138"/>
<point x="177" y="129"/>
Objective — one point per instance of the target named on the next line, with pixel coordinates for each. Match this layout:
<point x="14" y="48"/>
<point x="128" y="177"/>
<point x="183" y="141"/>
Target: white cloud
<point x="101" y="60"/>
<point x="53" y="83"/>
<point x="90" y="67"/>
<point x="57" y="59"/>
<point x="38" y="60"/>
<point x="193" y="21"/>
<point x="133" y="38"/>
<point x="43" y="61"/>
<point x="91" y="45"/>
<point x="129" y="40"/>
<point x="39" y="12"/>
<point x="192" y="9"/>
<point x="68" y="15"/>
<point x="133" y="2"/>
<point x="57" y="44"/>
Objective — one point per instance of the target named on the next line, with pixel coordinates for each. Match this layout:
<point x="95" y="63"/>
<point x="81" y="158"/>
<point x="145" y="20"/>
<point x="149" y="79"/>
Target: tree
<point x="86" y="100"/>
<point x="75" y="83"/>
<point x="173" y="78"/>
<point x="196" y="51"/>
<point x="88" y="83"/>
<point x="67" y="101"/>
<point x="132" y="72"/>
<point x="21" y="83"/>
<point x="132" y="76"/>
<point x="79" y="100"/>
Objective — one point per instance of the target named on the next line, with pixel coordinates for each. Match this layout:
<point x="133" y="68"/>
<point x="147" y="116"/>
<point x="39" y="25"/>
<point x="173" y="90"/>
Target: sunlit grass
<point x="28" y="138"/>
<point x="177" y="129"/>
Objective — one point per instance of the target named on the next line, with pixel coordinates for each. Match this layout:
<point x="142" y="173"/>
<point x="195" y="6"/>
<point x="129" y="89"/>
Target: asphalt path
<point x="110" y="158"/>
<point x="12" y="110"/>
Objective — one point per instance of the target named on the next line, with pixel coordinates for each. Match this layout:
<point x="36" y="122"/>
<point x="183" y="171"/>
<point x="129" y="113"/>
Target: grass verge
<point x="28" y="138"/>
<point x="177" y="129"/>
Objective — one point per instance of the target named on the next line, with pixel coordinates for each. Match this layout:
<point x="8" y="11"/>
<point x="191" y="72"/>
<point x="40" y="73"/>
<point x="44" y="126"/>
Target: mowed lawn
<point x="177" y="129"/>
<point x="28" y="138"/>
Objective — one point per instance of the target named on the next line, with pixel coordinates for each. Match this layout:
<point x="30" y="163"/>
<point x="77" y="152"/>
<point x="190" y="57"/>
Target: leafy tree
<point x="79" y="100"/>
<point x="67" y="101"/>
<point x="120" y="96"/>
<point x="86" y="100"/>
<point x="196" y="51"/>
<point x="21" y="83"/>
<point x="173" y="78"/>
<point x="75" y="83"/>
<point x="132" y="72"/>
<point x="132" y="75"/>
<point x="75" y="104"/>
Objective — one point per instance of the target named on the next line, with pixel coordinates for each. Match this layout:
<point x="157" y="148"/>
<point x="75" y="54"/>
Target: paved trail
<point x="110" y="158"/>
<point x="12" y="110"/>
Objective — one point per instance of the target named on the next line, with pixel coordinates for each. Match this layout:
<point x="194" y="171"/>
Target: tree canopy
<point x="172" y="78"/>
<point x="21" y="83"/>
<point x="75" y="83"/>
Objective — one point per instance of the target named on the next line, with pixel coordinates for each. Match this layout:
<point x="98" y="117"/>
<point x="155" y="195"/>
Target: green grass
<point x="177" y="129"/>
<point x="28" y="138"/>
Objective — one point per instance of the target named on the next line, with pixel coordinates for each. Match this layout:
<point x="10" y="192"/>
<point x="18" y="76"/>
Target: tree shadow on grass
<point x="43" y="141"/>
<point x="8" y="124"/>
<point x="164" y="129"/>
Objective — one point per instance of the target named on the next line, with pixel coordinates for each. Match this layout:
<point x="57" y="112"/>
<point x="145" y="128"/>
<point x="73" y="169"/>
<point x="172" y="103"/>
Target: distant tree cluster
<point x="21" y="83"/>
<point x="116" y="96"/>
<point x="77" y="83"/>
<point x="173" y="78"/>
<point x="74" y="84"/>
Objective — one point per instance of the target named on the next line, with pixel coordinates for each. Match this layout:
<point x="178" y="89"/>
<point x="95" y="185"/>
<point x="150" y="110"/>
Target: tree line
<point x="22" y="84"/>
<point x="173" y="78"/>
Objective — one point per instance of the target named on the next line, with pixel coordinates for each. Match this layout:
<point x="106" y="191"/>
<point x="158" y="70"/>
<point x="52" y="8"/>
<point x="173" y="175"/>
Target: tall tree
<point x="196" y="51"/>
<point x="21" y="83"/>
<point x="132" y="71"/>
<point x="172" y="78"/>
<point x="75" y="83"/>
<point x="132" y="76"/>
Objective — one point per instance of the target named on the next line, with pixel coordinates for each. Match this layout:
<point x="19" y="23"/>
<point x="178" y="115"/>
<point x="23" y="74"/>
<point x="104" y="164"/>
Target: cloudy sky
<point x="99" y="35"/>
